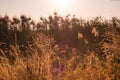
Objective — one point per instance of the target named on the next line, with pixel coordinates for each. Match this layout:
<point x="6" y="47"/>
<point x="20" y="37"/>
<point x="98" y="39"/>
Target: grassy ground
<point x="45" y="63"/>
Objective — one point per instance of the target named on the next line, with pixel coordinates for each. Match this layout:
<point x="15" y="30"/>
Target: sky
<point x="44" y="8"/>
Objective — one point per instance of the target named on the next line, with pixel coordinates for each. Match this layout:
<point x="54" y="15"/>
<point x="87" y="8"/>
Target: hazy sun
<point x="62" y="3"/>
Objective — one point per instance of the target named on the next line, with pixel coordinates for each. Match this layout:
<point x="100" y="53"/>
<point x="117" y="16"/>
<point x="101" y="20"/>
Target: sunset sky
<point x="81" y="8"/>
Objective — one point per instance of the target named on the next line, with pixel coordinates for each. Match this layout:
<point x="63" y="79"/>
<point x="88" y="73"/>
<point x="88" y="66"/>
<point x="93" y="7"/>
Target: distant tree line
<point x="85" y="35"/>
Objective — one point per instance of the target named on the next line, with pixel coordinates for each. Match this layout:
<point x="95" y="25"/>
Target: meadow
<point x="59" y="48"/>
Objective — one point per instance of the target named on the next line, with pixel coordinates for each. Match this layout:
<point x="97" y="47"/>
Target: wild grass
<point x="45" y="63"/>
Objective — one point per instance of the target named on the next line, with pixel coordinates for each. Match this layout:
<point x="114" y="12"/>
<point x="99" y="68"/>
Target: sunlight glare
<point x="61" y="4"/>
